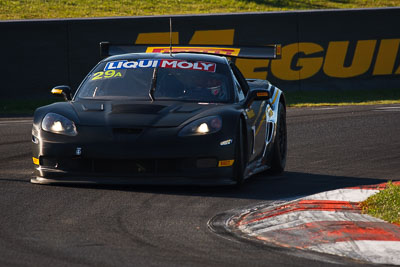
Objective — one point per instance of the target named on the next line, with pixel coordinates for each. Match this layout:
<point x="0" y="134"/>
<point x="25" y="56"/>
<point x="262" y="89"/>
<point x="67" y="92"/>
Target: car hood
<point x="139" y="114"/>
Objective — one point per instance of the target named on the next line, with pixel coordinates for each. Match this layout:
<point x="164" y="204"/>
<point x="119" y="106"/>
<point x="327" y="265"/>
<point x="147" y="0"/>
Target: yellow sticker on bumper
<point x="35" y="161"/>
<point x="225" y="163"/>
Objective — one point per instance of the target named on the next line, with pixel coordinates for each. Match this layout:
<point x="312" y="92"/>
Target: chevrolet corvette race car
<point x="183" y="117"/>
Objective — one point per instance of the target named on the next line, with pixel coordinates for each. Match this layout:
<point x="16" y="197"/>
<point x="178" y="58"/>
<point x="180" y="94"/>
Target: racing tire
<point x="240" y="156"/>
<point x="278" y="161"/>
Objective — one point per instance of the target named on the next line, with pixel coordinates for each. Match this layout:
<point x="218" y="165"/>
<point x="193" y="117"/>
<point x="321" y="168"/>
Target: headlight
<point x="207" y="125"/>
<point x="58" y="124"/>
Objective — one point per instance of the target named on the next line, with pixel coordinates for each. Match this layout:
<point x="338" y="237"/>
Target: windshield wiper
<point x="153" y="84"/>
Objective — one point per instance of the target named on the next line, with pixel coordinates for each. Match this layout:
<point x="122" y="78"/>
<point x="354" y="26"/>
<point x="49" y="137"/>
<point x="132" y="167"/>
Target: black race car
<point x="183" y="117"/>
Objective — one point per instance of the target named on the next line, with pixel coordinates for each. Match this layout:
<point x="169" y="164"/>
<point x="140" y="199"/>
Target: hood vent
<point x="137" y="108"/>
<point x="93" y="107"/>
<point x="185" y="109"/>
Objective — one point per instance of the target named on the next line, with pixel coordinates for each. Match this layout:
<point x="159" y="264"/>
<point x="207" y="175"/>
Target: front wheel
<point x="280" y="143"/>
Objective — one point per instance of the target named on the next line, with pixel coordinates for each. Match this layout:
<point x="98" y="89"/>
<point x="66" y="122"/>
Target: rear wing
<point x="253" y="52"/>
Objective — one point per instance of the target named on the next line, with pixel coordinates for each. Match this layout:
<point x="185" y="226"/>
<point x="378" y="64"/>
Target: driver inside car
<point x="206" y="86"/>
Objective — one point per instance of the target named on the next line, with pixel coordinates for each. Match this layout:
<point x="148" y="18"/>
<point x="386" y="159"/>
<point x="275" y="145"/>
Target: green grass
<point x="342" y="97"/>
<point x="293" y="99"/>
<point x="23" y="107"/>
<point x="385" y="204"/>
<point x="43" y="9"/>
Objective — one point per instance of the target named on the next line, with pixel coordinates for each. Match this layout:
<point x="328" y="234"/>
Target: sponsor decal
<point x="208" y="50"/>
<point x="125" y="64"/>
<point x="162" y="63"/>
<point x="181" y="64"/>
<point x="337" y="59"/>
<point x="270" y="112"/>
<point x="250" y="113"/>
<point x="226" y="142"/>
<point x="107" y="75"/>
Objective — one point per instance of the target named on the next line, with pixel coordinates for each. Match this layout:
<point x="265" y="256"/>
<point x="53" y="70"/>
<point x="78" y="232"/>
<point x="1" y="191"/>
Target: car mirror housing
<point x="256" y="94"/>
<point x="62" y="90"/>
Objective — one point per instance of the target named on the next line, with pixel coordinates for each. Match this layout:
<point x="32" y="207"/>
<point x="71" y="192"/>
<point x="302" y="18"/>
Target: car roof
<point x="182" y="56"/>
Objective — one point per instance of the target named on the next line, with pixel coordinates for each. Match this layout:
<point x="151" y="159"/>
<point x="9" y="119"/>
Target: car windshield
<point x="168" y="79"/>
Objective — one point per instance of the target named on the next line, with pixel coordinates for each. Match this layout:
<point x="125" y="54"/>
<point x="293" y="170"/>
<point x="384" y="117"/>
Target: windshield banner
<point x="161" y="63"/>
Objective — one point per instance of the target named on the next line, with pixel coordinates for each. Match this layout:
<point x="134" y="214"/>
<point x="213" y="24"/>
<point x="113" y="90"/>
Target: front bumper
<point x="156" y="156"/>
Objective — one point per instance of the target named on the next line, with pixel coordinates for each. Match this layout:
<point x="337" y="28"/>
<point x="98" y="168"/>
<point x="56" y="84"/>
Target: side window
<point x="238" y="89"/>
<point x="240" y="78"/>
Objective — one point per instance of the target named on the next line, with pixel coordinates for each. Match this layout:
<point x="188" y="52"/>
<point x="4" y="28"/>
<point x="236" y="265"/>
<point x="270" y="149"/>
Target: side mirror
<point x="62" y="90"/>
<point x="256" y="94"/>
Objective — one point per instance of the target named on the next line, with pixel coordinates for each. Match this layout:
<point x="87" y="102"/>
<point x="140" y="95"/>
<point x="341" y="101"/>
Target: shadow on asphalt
<point x="290" y="185"/>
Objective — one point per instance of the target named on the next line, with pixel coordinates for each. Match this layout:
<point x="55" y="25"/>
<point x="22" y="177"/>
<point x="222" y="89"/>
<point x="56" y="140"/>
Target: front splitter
<point x="136" y="181"/>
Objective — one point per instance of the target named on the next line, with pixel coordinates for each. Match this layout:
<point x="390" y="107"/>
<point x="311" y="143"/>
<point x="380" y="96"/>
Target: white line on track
<point x="6" y="122"/>
<point x="330" y="108"/>
<point x="396" y="108"/>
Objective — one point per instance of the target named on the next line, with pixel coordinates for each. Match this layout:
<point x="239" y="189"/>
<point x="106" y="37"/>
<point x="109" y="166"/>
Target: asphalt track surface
<point x="329" y="148"/>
